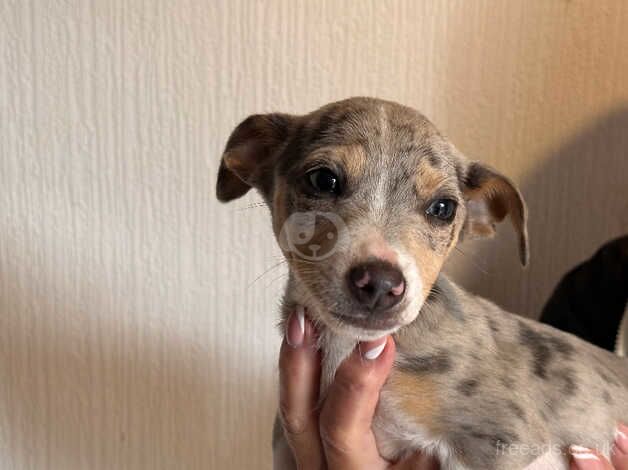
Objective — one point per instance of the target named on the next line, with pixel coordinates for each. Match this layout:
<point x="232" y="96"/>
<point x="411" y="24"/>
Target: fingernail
<point x="372" y="349"/>
<point x="583" y="457"/>
<point x="621" y="438"/>
<point x="295" y="330"/>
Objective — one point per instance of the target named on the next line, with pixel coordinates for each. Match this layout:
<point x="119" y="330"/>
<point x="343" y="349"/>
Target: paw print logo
<point x="313" y="236"/>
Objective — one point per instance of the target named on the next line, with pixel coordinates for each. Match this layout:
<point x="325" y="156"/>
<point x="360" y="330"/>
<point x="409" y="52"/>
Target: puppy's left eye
<point x="324" y="180"/>
<point x="442" y="209"/>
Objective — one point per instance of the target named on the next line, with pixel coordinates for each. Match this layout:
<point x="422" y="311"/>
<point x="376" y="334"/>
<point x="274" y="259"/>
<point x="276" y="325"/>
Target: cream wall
<point x="136" y="313"/>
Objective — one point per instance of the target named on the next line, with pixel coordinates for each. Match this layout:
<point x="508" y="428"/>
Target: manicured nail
<point x="372" y="349"/>
<point x="583" y="457"/>
<point x="575" y="448"/>
<point x="295" y="330"/>
<point x="621" y="439"/>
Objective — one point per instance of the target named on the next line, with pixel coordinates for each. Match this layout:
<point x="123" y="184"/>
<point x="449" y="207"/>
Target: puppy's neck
<point x="441" y="303"/>
<point x="334" y="347"/>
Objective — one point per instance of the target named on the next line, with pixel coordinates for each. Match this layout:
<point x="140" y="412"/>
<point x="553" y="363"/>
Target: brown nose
<point x="376" y="285"/>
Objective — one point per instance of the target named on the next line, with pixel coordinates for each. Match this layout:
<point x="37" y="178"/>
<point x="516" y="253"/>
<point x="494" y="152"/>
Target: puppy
<point x="367" y="200"/>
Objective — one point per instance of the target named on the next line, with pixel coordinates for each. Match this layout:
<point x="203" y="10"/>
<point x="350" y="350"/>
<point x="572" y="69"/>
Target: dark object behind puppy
<point x="589" y="301"/>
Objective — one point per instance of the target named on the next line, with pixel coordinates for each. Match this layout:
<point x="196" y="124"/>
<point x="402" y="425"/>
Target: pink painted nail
<point x="295" y="330"/>
<point x="371" y="350"/>
<point x="584" y="458"/>
<point x="621" y="439"/>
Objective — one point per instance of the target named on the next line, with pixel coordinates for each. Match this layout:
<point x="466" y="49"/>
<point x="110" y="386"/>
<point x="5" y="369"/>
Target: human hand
<point x="588" y="459"/>
<point x="337" y="435"/>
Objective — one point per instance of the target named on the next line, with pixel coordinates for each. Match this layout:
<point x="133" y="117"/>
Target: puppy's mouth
<point x="370" y="300"/>
<point x="368" y="321"/>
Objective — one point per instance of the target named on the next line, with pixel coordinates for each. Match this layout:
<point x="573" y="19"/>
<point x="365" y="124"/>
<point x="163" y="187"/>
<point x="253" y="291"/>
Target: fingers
<point x="619" y="453"/>
<point x="299" y="372"/>
<point x="583" y="458"/>
<point x="345" y="420"/>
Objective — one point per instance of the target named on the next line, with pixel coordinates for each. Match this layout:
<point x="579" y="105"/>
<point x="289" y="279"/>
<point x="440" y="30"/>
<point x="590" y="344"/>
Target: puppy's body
<point x="485" y="389"/>
<point x="379" y="198"/>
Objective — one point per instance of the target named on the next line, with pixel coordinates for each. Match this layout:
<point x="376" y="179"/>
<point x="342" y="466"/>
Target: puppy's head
<point x="367" y="200"/>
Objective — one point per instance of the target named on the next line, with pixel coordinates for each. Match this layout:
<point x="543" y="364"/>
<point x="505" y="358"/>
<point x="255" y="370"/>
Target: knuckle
<point x="287" y="367"/>
<point x="293" y="424"/>
<point x="336" y="438"/>
<point x="355" y="385"/>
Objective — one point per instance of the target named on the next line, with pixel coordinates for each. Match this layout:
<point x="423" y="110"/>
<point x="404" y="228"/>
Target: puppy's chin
<point x="353" y="327"/>
<point x="367" y="329"/>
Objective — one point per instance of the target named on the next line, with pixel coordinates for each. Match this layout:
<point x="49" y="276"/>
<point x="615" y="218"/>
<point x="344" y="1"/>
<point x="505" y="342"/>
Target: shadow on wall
<point x="577" y="200"/>
<point x="110" y="395"/>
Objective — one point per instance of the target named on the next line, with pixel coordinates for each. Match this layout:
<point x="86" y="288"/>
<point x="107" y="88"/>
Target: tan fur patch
<point x="352" y="158"/>
<point x="428" y="261"/>
<point x="280" y="211"/>
<point x="418" y="397"/>
<point x="428" y="179"/>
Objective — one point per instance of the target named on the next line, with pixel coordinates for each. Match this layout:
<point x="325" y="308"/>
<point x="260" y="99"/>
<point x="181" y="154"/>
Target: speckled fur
<point x="472" y="384"/>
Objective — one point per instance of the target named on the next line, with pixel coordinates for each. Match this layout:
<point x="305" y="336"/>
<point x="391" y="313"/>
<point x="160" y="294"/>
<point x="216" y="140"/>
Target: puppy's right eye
<point x="324" y="181"/>
<point x="442" y="209"/>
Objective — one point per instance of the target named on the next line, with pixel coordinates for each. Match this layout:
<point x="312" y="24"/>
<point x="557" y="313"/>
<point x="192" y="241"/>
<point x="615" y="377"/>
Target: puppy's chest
<point x="406" y="415"/>
<point x="417" y="411"/>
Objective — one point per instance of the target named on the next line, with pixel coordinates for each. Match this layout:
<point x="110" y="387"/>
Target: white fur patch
<point x="414" y="287"/>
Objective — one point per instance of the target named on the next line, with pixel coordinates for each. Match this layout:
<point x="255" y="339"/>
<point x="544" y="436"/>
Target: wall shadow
<point x="79" y="393"/>
<point x="577" y="199"/>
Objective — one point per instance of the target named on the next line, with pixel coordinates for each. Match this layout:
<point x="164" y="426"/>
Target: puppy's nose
<point x="376" y="285"/>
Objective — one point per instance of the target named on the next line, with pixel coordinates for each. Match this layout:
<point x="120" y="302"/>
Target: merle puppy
<point x="367" y="200"/>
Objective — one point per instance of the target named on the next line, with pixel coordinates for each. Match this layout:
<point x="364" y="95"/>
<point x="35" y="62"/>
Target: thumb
<point x="347" y="414"/>
<point x="583" y="458"/>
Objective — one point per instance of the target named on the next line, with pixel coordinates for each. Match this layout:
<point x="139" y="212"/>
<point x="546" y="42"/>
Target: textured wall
<point x="136" y="314"/>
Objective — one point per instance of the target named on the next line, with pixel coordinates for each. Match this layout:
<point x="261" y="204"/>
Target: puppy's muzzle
<point x="376" y="286"/>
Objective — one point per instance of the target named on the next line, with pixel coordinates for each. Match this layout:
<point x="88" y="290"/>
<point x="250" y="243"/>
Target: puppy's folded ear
<point x="490" y="198"/>
<point x="250" y="154"/>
